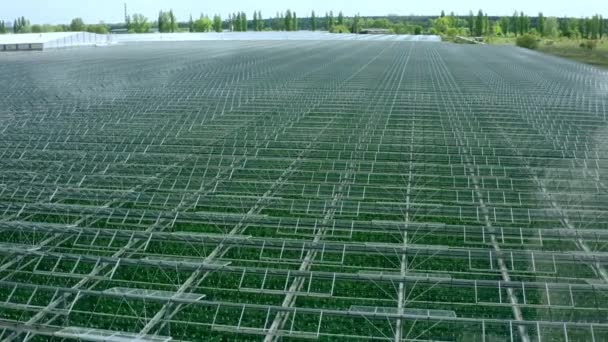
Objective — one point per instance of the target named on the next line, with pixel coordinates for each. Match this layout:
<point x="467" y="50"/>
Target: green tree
<point x="341" y="19"/>
<point x="260" y="21"/>
<point x="128" y="22"/>
<point x="570" y="28"/>
<point x="524" y="23"/>
<point x="588" y="28"/>
<point x="582" y="27"/>
<point x="540" y="24"/>
<point x="139" y="24"/>
<point x="602" y="27"/>
<point x="172" y="21"/>
<point x="191" y="24"/>
<point x="329" y="22"/>
<point x="417" y="30"/>
<point x="203" y="24"/>
<point x="313" y="21"/>
<point x="236" y="19"/>
<point x="217" y="23"/>
<point x="551" y="28"/>
<point x="236" y="22"/>
<point x="515" y="24"/>
<point x="595" y="27"/>
<point x="441" y="24"/>
<point x="77" y="25"/>
<point x="2" y="27"/>
<point x="356" y="28"/>
<point x="487" y="28"/>
<point x="100" y="28"/>
<point x="166" y="22"/>
<point x="471" y="23"/>
<point x="496" y="30"/>
<point x="288" y="20"/>
<point x="274" y="24"/>
<point x="383" y="23"/>
<point x="21" y="25"/>
<point x="243" y="22"/>
<point x="442" y="14"/>
<point x="294" y="22"/>
<point x="255" y="20"/>
<point x="504" y="24"/>
<point x="339" y="29"/>
<point x="479" y="24"/>
<point x="161" y="22"/>
<point x="453" y="20"/>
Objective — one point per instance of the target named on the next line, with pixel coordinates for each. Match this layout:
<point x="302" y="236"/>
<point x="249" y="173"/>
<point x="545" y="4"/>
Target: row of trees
<point x="238" y="22"/>
<point x="204" y="24"/>
<point x="167" y="22"/>
<point x="23" y="25"/>
<point x="287" y="21"/>
<point x="258" y="21"/>
<point x="137" y="23"/>
<point x="589" y="28"/>
<point x="331" y="23"/>
<point x="355" y="24"/>
<point x="450" y="25"/>
<point x="518" y="24"/>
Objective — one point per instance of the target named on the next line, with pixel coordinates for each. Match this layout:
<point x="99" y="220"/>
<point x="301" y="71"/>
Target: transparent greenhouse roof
<point x="288" y="190"/>
<point x="251" y="36"/>
<point x="33" y="37"/>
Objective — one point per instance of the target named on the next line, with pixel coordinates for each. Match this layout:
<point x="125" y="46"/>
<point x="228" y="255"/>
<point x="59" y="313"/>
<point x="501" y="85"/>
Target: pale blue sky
<point x="61" y="11"/>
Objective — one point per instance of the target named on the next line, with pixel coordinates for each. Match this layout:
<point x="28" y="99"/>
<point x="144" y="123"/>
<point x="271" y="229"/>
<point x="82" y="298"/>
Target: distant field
<point x="570" y="49"/>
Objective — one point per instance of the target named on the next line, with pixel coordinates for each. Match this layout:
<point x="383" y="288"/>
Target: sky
<point x="112" y="11"/>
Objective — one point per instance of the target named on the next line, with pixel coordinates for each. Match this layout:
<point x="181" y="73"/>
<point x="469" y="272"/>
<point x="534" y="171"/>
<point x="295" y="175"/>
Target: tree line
<point x="23" y="25"/>
<point x="480" y="24"/>
<point x="474" y="25"/>
<point x="236" y="22"/>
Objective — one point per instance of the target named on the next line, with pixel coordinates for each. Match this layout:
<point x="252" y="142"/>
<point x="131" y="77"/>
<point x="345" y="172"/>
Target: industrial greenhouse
<point x="302" y="190"/>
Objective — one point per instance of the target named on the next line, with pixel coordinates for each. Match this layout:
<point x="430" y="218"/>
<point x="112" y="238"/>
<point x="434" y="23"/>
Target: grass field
<point x="291" y="190"/>
<point x="568" y="48"/>
<point x="571" y="49"/>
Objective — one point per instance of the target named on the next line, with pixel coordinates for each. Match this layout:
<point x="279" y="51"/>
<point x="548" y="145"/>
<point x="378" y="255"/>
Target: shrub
<point x="99" y="29"/>
<point x="451" y="32"/>
<point x="527" y="41"/>
<point x="589" y="44"/>
<point x="340" y="29"/>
